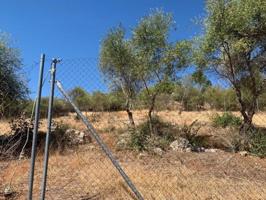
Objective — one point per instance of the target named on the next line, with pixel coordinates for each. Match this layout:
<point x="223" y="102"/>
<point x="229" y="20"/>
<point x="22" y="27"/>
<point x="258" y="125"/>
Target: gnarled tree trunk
<point x="151" y="108"/>
<point x="130" y="114"/>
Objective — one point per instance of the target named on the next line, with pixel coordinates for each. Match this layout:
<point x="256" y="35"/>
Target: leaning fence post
<point x="100" y="142"/>
<point x="50" y="112"/>
<point x="35" y="129"/>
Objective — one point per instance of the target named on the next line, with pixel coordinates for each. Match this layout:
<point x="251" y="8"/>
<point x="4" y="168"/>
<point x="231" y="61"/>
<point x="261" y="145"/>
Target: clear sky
<point x="72" y="29"/>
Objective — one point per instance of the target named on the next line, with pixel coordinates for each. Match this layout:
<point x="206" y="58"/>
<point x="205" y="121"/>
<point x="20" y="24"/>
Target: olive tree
<point x="233" y="46"/>
<point x="117" y="63"/>
<point x="157" y="59"/>
<point x="13" y="90"/>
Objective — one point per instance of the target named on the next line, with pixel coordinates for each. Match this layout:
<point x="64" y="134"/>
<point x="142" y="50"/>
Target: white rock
<point x="8" y="191"/>
<point x="81" y="137"/>
<point x="211" y="150"/>
<point x="201" y="149"/>
<point x="180" y="144"/>
<point x="243" y="153"/>
<point x="141" y="155"/>
<point x="82" y="134"/>
<point x="158" y="151"/>
<point x="121" y="144"/>
<point x="188" y="149"/>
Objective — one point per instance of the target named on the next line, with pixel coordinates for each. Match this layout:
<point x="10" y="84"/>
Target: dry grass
<point x="87" y="173"/>
<point x="103" y="120"/>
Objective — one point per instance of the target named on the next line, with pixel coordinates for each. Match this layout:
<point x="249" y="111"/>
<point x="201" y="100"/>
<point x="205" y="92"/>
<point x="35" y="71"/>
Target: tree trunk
<point x="130" y="118"/>
<point x="130" y="115"/>
<point x="152" y="105"/>
<point x="247" y="113"/>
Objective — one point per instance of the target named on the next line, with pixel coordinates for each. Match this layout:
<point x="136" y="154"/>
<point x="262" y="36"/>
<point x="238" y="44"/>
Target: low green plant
<point x="164" y="133"/>
<point x="226" y="119"/>
<point x="258" y="142"/>
<point x="190" y="132"/>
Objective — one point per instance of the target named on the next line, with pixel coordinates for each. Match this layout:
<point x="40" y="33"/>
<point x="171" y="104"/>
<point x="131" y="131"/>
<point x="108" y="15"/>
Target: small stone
<point x="8" y="191"/>
<point x="142" y="155"/>
<point x="243" y="153"/>
<point x="82" y="134"/>
<point x="188" y="149"/>
<point x="199" y="149"/>
<point x="121" y="144"/>
<point x="158" y="151"/>
<point x="123" y="141"/>
<point x="81" y="137"/>
<point x="211" y="150"/>
<point x="91" y="147"/>
<point x="70" y="131"/>
<point x="180" y="144"/>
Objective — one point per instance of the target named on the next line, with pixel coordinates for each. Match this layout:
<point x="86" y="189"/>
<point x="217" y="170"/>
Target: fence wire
<point x="79" y="169"/>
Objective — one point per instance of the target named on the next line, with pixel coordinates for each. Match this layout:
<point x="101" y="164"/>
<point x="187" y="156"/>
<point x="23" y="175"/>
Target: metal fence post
<point x="100" y="142"/>
<point x="50" y="115"/>
<point x="35" y="129"/>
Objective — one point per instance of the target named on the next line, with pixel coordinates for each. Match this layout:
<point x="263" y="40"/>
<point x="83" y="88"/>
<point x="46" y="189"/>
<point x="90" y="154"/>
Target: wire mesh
<point x="82" y="170"/>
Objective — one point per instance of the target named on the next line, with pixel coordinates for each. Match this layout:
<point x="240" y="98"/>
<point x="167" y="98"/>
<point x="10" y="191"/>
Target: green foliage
<point x="221" y="99"/>
<point x="258" y="143"/>
<point x="60" y="107"/>
<point x="81" y="98"/>
<point x="116" y="101"/>
<point x="164" y="133"/>
<point x="226" y="119"/>
<point x="98" y="101"/>
<point x="145" y="62"/>
<point x="190" y="97"/>
<point x="165" y="87"/>
<point x="13" y="89"/>
<point x="117" y="62"/>
<point x="200" y="79"/>
<point x="234" y="46"/>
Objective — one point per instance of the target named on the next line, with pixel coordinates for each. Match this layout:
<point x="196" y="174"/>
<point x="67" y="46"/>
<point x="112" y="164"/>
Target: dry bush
<point x="19" y="141"/>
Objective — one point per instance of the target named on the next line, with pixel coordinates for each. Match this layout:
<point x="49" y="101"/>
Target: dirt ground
<point x="86" y="173"/>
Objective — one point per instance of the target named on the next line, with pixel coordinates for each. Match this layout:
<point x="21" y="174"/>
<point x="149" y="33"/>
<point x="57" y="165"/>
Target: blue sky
<point x="72" y="29"/>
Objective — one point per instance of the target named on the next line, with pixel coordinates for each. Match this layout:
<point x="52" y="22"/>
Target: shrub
<point x="116" y="101"/>
<point x="18" y="141"/>
<point x="258" y="142"/>
<point x="60" y="107"/>
<point x="226" y="119"/>
<point x="190" y="97"/>
<point x="13" y="85"/>
<point x="221" y="99"/>
<point x="59" y="139"/>
<point x="143" y="139"/>
<point x="190" y="132"/>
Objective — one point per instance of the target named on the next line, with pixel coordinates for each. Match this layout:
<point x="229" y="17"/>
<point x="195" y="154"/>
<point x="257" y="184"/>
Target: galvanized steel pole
<point x="105" y="149"/>
<point x="35" y="129"/>
<point x="50" y="115"/>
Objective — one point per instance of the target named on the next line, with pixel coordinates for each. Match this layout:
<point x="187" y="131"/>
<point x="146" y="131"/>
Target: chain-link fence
<point x="199" y="159"/>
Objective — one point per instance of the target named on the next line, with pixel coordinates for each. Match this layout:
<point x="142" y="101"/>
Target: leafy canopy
<point x="13" y="89"/>
<point x="234" y="45"/>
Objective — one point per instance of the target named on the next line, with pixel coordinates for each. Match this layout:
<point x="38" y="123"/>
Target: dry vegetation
<point x="103" y="120"/>
<point x="85" y="173"/>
